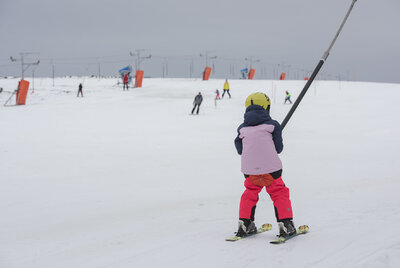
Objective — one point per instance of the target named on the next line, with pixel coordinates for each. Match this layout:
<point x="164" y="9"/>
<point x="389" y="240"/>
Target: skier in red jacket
<point x="126" y="80"/>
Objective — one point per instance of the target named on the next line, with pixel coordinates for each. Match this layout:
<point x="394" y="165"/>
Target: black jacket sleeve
<point x="238" y="143"/>
<point x="277" y="137"/>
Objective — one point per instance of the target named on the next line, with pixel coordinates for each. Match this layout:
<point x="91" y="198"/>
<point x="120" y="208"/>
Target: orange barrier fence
<point x="139" y="78"/>
<point x="251" y="74"/>
<point x="22" y="92"/>
<point x="206" y="73"/>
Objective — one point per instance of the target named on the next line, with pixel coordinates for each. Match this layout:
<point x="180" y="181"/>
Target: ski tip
<point x="303" y="229"/>
<point x="278" y="241"/>
<point x="266" y="227"/>
<point x="233" y="238"/>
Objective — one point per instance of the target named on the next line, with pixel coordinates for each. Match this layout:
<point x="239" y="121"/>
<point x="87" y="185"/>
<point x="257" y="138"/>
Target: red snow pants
<point x="278" y="192"/>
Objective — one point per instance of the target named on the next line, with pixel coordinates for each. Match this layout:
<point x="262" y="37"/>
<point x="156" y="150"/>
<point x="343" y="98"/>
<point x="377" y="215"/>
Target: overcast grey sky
<point x="78" y="34"/>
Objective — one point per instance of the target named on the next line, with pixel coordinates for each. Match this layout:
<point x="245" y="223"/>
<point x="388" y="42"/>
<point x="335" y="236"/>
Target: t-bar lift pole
<point x="316" y="70"/>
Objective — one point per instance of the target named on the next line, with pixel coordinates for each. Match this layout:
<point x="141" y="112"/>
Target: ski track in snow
<point x="130" y="179"/>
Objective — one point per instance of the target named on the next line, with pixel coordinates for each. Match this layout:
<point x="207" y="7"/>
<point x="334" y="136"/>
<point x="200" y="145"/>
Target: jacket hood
<point x="256" y="115"/>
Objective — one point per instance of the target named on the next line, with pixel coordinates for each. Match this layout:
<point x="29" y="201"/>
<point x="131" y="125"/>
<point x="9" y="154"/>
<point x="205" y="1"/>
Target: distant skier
<point x="80" y="90"/>
<point x="287" y="97"/>
<point x="259" y="141"/>
<point x="226" y="89"/>
<point x="126" y="81"/>
<point x="197" y="102"/>
<point x="217" y="96"/>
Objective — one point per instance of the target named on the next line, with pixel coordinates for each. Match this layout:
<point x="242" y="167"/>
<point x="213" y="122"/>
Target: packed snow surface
<point x="131" y="179"/>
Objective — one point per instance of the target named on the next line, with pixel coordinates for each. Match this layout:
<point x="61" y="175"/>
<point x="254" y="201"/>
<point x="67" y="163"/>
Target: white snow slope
<point x="131" y="179"/>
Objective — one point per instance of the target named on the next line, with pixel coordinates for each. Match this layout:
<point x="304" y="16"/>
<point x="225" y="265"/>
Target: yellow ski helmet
<point x="260" y="99"/>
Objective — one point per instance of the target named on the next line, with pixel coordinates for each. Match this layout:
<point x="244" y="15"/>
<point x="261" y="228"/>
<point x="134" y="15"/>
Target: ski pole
<point x="316" y="70"/>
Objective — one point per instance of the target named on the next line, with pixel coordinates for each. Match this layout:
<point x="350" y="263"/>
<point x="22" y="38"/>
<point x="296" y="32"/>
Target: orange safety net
<point x="22" y="92"/>
<point x="206" y="73"/>
<point x="251" y="73"/>
<point x="139" y="78"/>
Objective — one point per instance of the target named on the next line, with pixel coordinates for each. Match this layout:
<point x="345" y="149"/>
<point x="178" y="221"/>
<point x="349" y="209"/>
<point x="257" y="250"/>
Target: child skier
<point x="287" y="97"/>
<point x="259" y="141"/>
<point x="217" y="96"/>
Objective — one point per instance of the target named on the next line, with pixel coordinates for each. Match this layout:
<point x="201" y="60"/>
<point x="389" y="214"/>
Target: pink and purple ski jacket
<point x="259" y="141"/>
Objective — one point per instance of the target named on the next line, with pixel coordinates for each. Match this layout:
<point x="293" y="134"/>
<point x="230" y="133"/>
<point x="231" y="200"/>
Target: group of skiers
<point x="226" y="90"/>
<point x="199" y="98"/>
<point x="125" y="81"/>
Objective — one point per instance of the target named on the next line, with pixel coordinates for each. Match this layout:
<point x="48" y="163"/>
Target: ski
<point x="265" y="227"/>
<point x="301" y="230"/>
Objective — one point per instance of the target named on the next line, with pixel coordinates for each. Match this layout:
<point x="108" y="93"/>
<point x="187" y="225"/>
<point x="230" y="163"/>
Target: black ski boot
<point x="246" y="227"/>
<point x="286" y="228"/>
